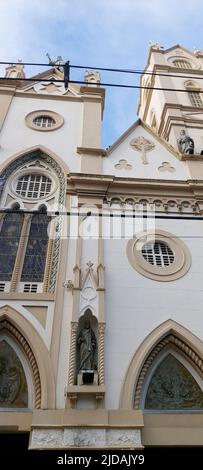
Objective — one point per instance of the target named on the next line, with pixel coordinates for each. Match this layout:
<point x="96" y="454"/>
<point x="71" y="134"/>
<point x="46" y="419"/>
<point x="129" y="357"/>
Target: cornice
<point x="92" y="90"/>
<point x="7" y="90"/>
<point x="88" y="184"/>
<point x="92" y="151"/>
<point x="101" y="185"/>
<point x="26" y="296"/>
<point x="47" y="96"/>
<point x="181" y="107"/>
<point x="195" y="157"/>
<point x="180" y="122"/>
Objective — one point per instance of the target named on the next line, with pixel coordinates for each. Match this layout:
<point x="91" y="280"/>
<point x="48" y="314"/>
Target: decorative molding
<point x="91" y="151"/>
<point x="68" y="285"/>
<point x="88" y="294"/>
<point x="5" y="324"/>
<point x="100" y="274"/>
<point x="101" y="333"/>
<point x="72" y="360"/>
<point x="191" y="355"/>
<point x="77" y="277"/>
<point x="162" y="204"/>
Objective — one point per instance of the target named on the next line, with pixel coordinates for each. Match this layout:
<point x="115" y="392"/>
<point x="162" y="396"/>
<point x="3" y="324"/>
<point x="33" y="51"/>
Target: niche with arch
<point x="87" y="350"/>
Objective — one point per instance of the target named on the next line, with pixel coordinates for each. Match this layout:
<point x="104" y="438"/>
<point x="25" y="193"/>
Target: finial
<point x="92" y="78"/>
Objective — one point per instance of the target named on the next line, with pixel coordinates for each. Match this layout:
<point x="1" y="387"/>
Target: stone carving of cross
<point x="142" y="145"/>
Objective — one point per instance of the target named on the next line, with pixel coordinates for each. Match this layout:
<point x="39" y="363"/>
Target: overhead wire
<point x="105" y="69"/>
<point x="104" y="84"/>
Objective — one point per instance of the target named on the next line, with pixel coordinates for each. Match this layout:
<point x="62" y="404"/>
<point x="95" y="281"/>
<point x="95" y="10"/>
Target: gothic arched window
<point x="36" y="250"/>
<point x="9" y="240"/>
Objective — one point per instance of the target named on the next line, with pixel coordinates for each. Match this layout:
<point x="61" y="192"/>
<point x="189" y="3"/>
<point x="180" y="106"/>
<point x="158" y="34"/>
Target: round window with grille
<point x="158" y="254"/>
<point x="33" y="186"/>
<point x="44" y="121"/>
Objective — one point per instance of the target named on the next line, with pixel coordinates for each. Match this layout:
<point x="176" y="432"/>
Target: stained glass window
<point x="36" y="251"/>
<point x="9" y="240"/>
<point x="172" y="387"/>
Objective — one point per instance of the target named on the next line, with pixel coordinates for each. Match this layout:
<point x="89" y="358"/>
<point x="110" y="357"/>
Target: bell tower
<point x="172" y="98"/>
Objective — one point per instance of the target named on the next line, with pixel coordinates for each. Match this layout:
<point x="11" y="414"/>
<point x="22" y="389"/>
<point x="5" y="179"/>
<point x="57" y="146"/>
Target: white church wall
<point x="16" y="136"/>
<point x="135" y="305"/>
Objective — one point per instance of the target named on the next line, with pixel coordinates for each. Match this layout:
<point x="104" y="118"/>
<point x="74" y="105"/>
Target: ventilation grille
<point x="158" y="254"/>
<point x="30" y="287"/>
<point x="2" y="286"/>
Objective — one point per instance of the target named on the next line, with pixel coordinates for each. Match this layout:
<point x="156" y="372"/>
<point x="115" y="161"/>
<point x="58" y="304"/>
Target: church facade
<point x="101" y="260"/>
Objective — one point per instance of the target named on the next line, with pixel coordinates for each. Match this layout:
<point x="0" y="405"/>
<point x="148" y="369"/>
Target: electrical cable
<point x="115" y="85"/>
<point x="104" y="69"/>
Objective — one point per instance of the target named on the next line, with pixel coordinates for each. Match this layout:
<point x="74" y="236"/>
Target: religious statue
<point x="186" y="143"/>
<point x="87" y="347"/>
<point x="57" y="63"/>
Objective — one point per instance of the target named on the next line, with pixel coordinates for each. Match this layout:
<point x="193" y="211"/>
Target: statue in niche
<point x="186" y="143"/>
<point x="87" y="348"/>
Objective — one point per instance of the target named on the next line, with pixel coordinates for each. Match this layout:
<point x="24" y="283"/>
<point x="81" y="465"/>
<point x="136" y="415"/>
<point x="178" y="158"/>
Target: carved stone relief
<point x="123" y="165"/>
<point x="172" y="387"/>
<point x="142" y="145"/>
<point x="166" y="166"/>
<point x="13" y="386"/>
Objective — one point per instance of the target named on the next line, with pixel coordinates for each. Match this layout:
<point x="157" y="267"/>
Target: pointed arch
<point x="166" y="334"/>
<point x="47" y="156"/>
<point x="22" y="332"/>
<point x="37" y="152"/>
<point x="40" y="149"/>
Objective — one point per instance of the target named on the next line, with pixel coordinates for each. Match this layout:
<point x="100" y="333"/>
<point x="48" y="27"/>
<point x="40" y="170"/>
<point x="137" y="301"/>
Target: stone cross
<point x="142" y="145"/>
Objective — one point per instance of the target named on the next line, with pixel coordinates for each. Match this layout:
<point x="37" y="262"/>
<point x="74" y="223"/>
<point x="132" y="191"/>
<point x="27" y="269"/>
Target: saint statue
<point x="186" y="143"/>
<point x="87" y="347"/>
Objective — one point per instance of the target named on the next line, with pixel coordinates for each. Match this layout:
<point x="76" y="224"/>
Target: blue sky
<point x="106" y="33"/>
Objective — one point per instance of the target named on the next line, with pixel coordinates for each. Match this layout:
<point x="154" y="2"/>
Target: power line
<point x="104" y="69"/>
<point x="115" y="85"/>
<point x="106" y="214"/>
